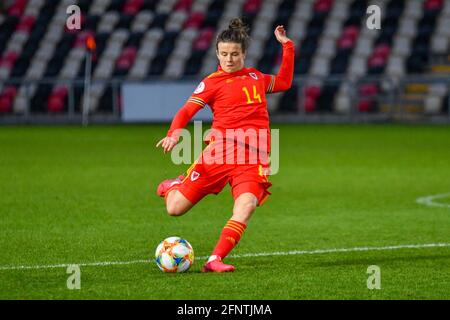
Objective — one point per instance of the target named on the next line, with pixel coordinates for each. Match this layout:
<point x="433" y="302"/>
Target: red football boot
<point x="215" y="264"/>
<point x="167" y="184"/>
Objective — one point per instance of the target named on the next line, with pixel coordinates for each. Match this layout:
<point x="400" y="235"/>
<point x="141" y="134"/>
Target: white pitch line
<point x="429" y="200"/>
<point x="244" y="255"/>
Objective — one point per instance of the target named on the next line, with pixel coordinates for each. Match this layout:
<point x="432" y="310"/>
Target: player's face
<point x="230" y="55"/>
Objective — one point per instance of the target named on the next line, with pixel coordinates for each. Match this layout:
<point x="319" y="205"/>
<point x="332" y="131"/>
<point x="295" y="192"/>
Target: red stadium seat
<point x="9" y="91"/>
<point x="433" y="4"/>
<point x="183" y="5"/>
<point x="6" y="98"/>
<point x="9" y="58"/>
<point x="376" y="61"/>
<point x="132" y="7"/>
<point x="60" y="91"/>
<point x="17" y="8"/>
<point x="26" y="23"/>
<point x="55" y="104"/>
<point x="323" y="5"/>
<point x="310" y="104"/>
<point x="195" y="20"/>
<point x="204" y="39"/>
<point x="365" y="105"/>
<point x="252" y="6"/>
<point x="368" y="89"/>
<point x="5" y="104"/>
<point x="123" y="64"/>
<point x="383" y="50"/>
<point x="351" y="32"/>
<point x="345" y="43"/>
<point x="201" y="44"/>
<point x="126" y="59"/>
<point x="348" y="38"/>
<point x="312" y="91"/>
<point x="129" y="53"/>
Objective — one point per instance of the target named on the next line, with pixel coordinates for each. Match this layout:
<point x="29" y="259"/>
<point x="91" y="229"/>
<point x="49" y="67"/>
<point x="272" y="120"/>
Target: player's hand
<point x="280" y="34"/>
<point x="167" y="143"/>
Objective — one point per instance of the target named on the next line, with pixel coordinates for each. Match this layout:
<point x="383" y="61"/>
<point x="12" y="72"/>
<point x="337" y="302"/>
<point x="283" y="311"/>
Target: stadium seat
<point x="323" y="5"/>
<point x="26" y="23"/>
<point x="195" y="20"/>
<point x="432" y="105"/>
<point x="342" y="102"/>
<point x="131" y="7"/>
<point x="368" y="90"/>
<point x="204" y="39"/>
<point x="309" y="104"/>
<point x="17" y="8"/>
<point x="183" y="5"/>
<point x="365" y="106"/>
<point x="5" y="104"/>
<point x="9" y="58"/>
<point x="433" y="5"/>
<point x="125" y="61"/>
<point x="251" y="6"/>
<point x="7" y="97"/>
<point x="312" y="91"/>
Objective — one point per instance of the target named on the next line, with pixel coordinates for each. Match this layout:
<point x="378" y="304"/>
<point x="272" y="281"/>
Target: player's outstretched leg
<point x="166" y="185"/>
<point x="176" y="203"/>
<point x="244" y="206"/>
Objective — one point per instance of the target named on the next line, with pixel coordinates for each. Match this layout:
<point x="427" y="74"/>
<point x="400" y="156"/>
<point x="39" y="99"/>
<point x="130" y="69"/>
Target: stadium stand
<point x="138" y="40"/>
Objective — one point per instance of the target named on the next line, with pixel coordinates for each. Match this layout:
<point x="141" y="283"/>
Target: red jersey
<point x="238" y="99"/>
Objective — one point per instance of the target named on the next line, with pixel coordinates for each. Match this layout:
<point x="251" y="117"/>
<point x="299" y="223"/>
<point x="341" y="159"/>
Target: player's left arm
<point x="283" y="80"/>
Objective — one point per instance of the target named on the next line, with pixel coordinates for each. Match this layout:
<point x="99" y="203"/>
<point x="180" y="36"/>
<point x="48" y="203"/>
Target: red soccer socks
<point x="229" y="238"/>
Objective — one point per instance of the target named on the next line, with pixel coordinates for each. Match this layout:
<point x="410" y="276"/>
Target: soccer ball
<point x="174" y="254"/>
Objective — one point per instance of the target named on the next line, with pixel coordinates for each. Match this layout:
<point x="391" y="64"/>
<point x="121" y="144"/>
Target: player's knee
<point x="175" y="208"/>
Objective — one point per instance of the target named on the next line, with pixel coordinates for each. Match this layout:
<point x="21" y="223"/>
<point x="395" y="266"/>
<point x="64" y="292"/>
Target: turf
<point x="82" y="195"/>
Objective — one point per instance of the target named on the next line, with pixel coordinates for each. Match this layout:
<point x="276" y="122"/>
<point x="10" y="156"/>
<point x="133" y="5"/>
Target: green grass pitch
<point x="72" y="195"/>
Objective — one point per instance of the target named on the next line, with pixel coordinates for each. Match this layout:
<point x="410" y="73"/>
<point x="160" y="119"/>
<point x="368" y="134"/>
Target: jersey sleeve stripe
<point x="197" y="101"/>
<point x="200" y="104"/>
<point x="271" y="84"/>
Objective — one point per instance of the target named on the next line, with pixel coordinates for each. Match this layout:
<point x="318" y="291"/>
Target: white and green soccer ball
<point x="174" y="254"/>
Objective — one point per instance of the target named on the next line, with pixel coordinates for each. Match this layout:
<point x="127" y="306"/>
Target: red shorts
<point x="208" y="177"/>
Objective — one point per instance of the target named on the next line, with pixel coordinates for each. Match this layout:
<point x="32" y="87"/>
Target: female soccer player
<point x="237" y="98"/>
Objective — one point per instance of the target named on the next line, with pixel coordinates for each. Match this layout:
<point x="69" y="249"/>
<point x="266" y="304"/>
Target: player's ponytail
<point x="237" y="32"/>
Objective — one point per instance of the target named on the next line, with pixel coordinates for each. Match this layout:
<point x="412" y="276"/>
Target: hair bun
<point x="237" y="24"/>
<point x="237" y="32"/>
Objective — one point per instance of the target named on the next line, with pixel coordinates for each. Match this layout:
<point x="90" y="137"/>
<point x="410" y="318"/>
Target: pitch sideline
<point x="244" y="255"/>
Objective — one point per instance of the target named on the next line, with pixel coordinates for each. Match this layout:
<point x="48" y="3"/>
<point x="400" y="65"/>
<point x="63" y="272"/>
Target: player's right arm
<point x="283" y="80"/>
<point x="202" y="95"/>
